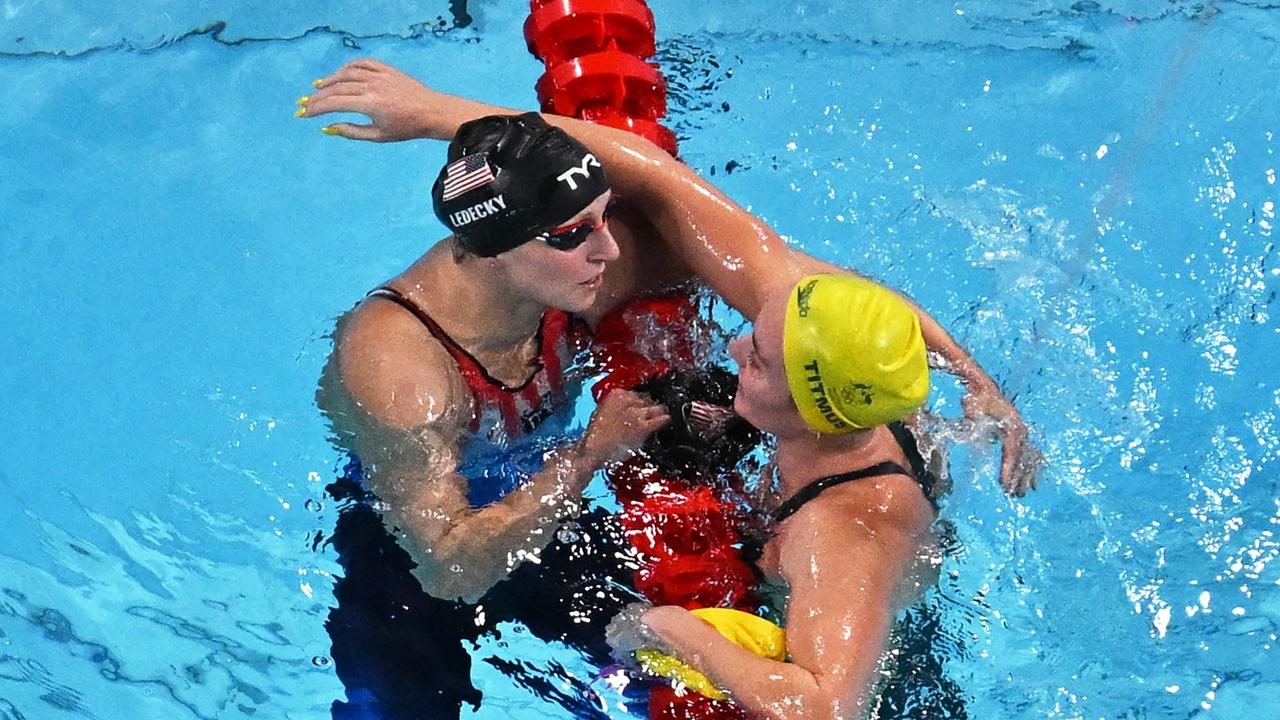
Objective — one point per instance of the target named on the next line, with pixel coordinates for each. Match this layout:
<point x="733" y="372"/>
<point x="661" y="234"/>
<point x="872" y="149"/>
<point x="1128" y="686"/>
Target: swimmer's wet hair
<point x="460" y="252"/>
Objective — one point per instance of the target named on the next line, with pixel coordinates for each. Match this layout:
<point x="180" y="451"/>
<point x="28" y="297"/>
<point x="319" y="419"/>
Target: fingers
<point x="352" y="131"/>
<point x="1020" y="466"/>
<point x="646" y="415"/>
<point x="1008" y="463"/>
<point x="654" y="410"/>
<point x="1033" y="465"/>
<point x="361" y="69"/>
<point x="655" y="420"/>
<point x="1009" y="450"/>
<point x="323" y="105"/>
<point x="652" y="414"/>
<point x="1013" y="468"/>
<point x="342" y="87"/>
<point x="350" y="74"/>
<point x="1020" y="461"/>
<point x="330" y="96"/>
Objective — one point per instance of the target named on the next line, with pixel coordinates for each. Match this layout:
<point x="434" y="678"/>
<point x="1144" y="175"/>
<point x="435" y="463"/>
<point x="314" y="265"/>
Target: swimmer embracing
<point x="472" y="343"/>
<point x="832" y="364"/>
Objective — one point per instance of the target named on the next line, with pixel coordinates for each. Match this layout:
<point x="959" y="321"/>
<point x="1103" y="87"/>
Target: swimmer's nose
<point x="604" y="248"/>
<point x="735" y="349"/>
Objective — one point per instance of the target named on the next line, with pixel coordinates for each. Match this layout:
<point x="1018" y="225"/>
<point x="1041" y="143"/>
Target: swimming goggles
<point x="571" y="236"/>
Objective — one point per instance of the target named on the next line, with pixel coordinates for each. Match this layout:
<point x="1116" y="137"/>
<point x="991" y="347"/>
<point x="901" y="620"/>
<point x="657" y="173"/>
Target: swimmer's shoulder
<point x="394" y="370"/>
<point x="882" y="502"/>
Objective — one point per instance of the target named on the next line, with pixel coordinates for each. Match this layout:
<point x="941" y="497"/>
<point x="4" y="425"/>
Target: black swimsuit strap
<point x="460" y="354"/>
<point x="395" y="296"/>
<point x="817" y="487"/>
<point x="919" y="468"/>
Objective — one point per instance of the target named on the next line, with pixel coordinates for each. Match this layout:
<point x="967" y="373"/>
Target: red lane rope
<point x="596" y="55"/>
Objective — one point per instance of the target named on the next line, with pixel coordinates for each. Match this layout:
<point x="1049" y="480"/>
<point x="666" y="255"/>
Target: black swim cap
<point x="509" y="178"/>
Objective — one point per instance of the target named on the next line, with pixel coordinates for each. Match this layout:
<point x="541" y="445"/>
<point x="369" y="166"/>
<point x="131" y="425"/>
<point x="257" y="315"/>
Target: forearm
<point x="765" y="688"/>
<point x="483" y="547"/>
<point x="732" y="250"/>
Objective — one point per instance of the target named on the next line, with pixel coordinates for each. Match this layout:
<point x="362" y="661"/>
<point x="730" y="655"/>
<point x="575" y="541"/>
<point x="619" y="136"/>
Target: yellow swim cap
<point x="854" y="354"/>
<point x="745" y="630"/>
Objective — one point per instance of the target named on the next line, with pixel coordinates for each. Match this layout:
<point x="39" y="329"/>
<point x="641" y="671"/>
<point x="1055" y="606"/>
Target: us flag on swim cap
<point x="466" y="173"/>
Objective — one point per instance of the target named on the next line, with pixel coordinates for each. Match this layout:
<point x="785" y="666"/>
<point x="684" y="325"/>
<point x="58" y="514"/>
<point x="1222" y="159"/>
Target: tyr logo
<point x="568" y="175"/>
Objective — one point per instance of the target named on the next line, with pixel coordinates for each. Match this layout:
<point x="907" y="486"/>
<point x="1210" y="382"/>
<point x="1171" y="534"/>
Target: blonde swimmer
<point x="831" y="363"/>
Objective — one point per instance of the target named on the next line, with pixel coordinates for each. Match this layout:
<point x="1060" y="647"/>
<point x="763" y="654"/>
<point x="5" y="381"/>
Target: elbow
<point x="448" y="572"/>
<point x="820" y="707"/>
<point x="829" y="706"/>
<point x="450" y="581"/>
<point x="810" y="704"/>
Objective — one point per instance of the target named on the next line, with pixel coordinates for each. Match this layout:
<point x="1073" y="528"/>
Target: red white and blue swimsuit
<point x="503" y="414"/>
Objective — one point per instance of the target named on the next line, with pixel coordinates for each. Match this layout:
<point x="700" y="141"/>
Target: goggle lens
<point x="571" y="237"/>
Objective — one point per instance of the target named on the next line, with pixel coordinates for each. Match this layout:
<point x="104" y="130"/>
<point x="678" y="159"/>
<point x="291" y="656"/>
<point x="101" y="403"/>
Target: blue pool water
<point x="1085" y="193"/>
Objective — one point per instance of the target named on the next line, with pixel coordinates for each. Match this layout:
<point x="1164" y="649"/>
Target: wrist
<point x="587" y="453"/>
<point x="980" y="383"/>
<point x="457" y="112"/>
<point x="973" y="376"/>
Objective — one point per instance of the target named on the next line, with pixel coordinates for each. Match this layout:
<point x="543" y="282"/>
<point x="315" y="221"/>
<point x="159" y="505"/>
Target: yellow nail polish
<point x="317" y="84"/>
<point x="330" y="130"/>
<point x="302" y="100"/>
<point x="301" y="111"/>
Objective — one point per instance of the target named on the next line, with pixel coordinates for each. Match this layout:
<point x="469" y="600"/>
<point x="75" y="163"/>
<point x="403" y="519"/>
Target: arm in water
<point x="410" y="407"/>
<point x="739" y="255"/>
<point x="849" y="565"/>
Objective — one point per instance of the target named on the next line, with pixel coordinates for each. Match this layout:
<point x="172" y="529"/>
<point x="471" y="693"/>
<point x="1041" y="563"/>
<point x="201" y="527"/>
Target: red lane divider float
<point x="596" y="55"/>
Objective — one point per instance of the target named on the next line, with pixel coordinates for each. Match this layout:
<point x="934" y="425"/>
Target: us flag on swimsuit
<point x="466" y="173"/>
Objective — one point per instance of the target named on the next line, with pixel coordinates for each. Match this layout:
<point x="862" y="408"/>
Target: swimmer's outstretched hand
<point x="399" y="107"/>
<point x="620" y="425"/>
<point x="1020" y="461"/>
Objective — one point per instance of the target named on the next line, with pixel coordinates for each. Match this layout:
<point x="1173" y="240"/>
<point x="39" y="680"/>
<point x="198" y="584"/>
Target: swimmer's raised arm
<point x="400" y="107"/>
<point x="740" y="256"/>
<point x="408" y="402"/>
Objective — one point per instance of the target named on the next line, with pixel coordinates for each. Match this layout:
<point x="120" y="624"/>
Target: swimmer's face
<point x="764" y="397"/>
<point x="566" y="279"/>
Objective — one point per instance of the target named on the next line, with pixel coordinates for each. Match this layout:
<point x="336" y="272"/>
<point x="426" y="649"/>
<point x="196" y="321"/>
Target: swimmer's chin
<point x="580" y="301"/>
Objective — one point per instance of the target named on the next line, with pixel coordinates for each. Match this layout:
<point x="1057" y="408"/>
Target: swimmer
<point x="470" y="345"/>
<point x="443" y="387"/>
<point x="832" y="362"/>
